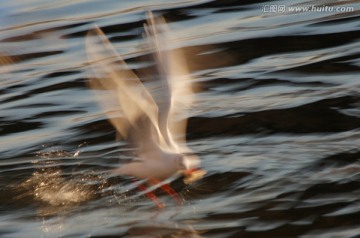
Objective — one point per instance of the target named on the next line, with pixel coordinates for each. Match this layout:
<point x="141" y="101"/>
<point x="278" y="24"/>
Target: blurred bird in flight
<point x="150" y="122"/>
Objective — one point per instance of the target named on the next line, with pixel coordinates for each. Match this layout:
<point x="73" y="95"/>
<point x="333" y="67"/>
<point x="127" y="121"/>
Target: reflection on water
<point x="276" y="122"/>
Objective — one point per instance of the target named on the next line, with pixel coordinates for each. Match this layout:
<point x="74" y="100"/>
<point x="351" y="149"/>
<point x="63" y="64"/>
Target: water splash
<point x="48" y="185"/>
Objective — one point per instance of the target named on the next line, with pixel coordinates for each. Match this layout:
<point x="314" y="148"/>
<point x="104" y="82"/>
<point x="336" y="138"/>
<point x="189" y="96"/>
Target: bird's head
<point x="189" y="166"/>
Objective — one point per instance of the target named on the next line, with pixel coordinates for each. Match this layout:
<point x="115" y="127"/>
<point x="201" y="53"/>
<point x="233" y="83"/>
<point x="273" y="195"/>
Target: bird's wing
<point x="176" y="83"/>
<point x="130" y="107"/>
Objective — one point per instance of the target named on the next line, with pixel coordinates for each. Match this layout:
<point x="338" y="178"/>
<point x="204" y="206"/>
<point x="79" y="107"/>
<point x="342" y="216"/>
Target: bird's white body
<point x="164" y="166"/>
<point x="149" y="121"/>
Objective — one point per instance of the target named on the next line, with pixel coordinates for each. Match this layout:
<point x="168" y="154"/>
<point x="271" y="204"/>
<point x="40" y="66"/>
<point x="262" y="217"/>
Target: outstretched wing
<point x="129" y="106"/>
<point x="176" y="94"/>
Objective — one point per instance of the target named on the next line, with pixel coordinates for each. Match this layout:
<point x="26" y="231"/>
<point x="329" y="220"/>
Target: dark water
<point x="276" y="122"/>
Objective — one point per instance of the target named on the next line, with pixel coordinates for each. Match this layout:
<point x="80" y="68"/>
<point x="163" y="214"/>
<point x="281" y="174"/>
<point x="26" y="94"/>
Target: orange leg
<point x="169" y="190"/>
<point x="151" y="196"/>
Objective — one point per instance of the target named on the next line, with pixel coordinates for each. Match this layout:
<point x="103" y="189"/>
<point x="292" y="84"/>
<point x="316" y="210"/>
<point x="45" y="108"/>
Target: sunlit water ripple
<point x="276" y="122"/>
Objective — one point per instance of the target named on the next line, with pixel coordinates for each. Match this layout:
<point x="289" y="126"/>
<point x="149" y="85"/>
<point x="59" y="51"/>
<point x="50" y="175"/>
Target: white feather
<point x="152" y="125"/>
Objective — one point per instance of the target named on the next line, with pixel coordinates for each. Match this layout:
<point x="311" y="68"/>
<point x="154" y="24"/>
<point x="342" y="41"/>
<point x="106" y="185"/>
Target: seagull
<point x="150" y="119"/>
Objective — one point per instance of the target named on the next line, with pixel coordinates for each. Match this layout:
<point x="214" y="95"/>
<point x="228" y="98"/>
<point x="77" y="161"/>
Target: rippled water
<point x="276" y="122"/>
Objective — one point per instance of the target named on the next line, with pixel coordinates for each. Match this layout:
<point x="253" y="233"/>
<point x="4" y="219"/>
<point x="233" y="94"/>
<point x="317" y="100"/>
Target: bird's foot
<point x="151" y="195"/>
<point x="165" y="187"/>
<point x="169" y="190"/>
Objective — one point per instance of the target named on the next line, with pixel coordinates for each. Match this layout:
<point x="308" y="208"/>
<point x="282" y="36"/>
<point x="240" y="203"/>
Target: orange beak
<point x="188" y="172"/>
<point x="194" y="174"/>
